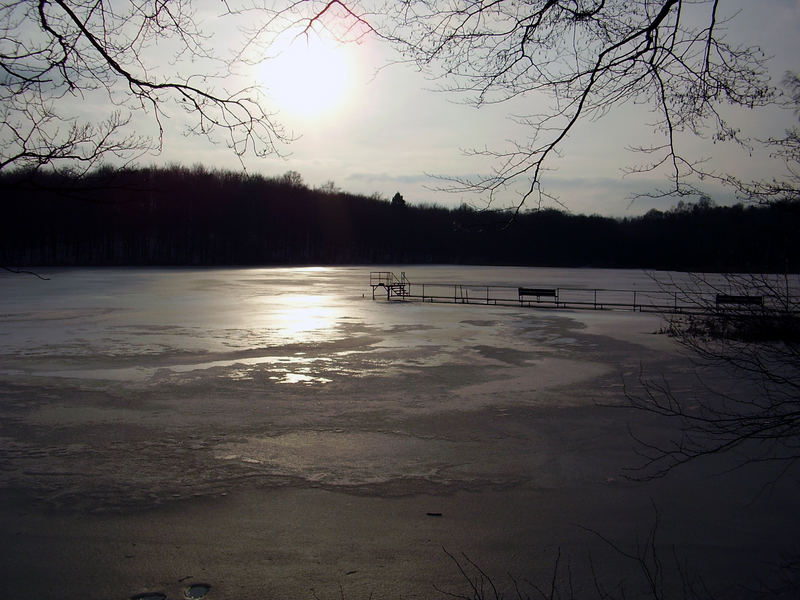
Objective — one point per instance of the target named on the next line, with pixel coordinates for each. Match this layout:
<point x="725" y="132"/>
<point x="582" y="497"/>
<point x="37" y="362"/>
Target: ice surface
<point x="131" y="389"/>
<point x="297" y="365"/>
<point x="134" y="323"/>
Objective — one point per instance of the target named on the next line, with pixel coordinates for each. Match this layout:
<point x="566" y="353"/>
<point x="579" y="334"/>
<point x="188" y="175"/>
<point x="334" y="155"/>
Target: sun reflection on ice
<point x="297" y="316"/>
<point x="300" y="378"/>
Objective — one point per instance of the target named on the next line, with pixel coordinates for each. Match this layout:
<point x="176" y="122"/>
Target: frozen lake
<point x="131" y="324"/>
<point x="357" y="437"/>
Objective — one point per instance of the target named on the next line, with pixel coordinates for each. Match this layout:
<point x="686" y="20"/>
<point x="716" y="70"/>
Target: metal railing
<point x="674" y="300"/>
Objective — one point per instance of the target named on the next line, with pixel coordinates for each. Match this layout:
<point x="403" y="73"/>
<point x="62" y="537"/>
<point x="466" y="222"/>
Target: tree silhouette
<point x="197" y="215"/>
<point x="758" y="346"/>
<point x="54" y="54"/>
<point x="786" y="149"/>
<point x="585" y="57"/>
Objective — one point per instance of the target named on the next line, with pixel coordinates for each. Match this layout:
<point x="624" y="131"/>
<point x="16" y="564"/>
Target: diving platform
<point x="396" y="287"/>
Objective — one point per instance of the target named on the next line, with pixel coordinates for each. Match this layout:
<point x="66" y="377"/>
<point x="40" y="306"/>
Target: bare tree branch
<point x="55" y="51"/>
<point x="758" y="345"/>
<point x="576" y="60"/>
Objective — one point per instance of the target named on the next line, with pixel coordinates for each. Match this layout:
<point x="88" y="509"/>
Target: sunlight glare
<point x="301" y="315"/>
<point x="308" y="74"/>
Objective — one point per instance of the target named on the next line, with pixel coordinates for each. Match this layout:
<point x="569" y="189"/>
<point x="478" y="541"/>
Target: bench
<point x="538" y="292"/>
<point x="741" y="300"/>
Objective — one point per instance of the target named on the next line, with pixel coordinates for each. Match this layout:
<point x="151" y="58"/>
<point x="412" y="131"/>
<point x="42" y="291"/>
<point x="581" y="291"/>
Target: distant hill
<point x="193" y="216"/>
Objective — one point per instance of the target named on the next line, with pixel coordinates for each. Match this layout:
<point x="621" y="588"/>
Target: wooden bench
<point x="740" y="300"/>
<point x="539" y="293"/>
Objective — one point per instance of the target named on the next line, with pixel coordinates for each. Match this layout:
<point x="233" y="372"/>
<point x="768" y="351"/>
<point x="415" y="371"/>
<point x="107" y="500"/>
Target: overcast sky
<point x="387" y="130"/>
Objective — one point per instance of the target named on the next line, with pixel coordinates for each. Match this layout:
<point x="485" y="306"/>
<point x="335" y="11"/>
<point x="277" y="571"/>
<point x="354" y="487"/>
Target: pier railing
<point x="562" y="297"/>
<point x="675" y="300"/>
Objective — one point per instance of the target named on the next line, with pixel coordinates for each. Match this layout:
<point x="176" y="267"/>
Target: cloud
<point x="383" y="177"/>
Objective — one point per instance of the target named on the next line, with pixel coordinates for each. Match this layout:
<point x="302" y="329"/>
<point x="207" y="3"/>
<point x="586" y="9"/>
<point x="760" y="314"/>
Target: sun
<point x="307" y="74"/>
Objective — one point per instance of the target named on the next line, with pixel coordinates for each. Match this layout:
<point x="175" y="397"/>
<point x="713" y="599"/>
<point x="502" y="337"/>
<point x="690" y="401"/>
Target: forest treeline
<point x="194" y="216"/>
